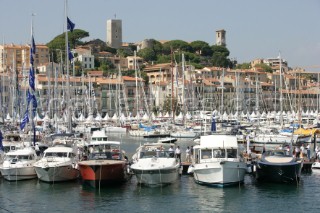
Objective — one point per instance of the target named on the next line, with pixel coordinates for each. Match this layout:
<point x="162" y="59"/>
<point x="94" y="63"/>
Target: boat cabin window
<point x="104" y="151"/>
<point x="206" y="153"/>
<point x="159" y="154"/>
<point x="9" y="157"/>
<point x="219" y="153"/>
<point x="9" y="148"/>
<point x="56" y="154"/>
<point x="231" y="153"/>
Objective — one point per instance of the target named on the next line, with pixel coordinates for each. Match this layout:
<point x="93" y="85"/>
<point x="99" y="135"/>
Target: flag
<point x="31" y="79"/>
<point x="25" y="120"/>
<point x="34" y="102"/>
<point x="29" y="98"/>
<point x="70" y="55"/>
<point x="33" y="45"/>
<point x="1" y="145"/>
<point x="213" y="123"/>
<point x="31" y="58"/>
<point x="70" y="25"/>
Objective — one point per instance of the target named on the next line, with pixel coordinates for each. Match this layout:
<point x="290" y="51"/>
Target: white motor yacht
<point x="18" y="164"/>
<point x="59" y="163"/>
<point x="153" y="164"/>
<point x="217" y="161"/>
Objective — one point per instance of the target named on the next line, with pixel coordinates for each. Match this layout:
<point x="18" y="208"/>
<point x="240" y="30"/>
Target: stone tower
<point x="221" y="38"/>
<point x="114" y="33"/>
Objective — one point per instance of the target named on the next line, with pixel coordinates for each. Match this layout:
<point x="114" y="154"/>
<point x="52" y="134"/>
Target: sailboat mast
<point x="136" y="76"/>
<point x="281" y="107"/>
<point x="172" y="92"/>
<point x="222" y="91"/>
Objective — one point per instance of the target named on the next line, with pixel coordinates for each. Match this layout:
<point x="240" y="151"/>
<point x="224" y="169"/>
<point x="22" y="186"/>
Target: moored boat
<point x="106" y="163"/>
<point x="18" y="165"/>
<point x="278" y="166"/>
<point x="154" y="164"/>
<point x="217" y="161"/>
<point x="59" y="163"/>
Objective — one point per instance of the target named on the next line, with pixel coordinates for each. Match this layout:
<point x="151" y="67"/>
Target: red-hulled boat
<point x="106" y="163"/>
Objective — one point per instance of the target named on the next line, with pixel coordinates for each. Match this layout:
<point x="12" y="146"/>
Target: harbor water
<point x="183" y="196"/>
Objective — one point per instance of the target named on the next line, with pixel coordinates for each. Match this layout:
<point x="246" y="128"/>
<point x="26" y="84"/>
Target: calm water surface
<point x="182" y="196"/>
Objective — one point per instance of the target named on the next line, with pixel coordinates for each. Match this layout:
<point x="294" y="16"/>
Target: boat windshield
<point x="18" y="157"/>
<point x="159" y="154"/>
<point x="56" y="154"/>
<point x="104" y="152"/>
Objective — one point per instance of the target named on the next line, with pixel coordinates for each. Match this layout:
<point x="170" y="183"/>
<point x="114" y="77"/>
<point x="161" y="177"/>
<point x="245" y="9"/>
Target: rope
<point x="100" y="178"/>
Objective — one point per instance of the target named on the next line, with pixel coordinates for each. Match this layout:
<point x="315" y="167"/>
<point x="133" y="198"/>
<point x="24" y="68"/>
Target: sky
<point x="254" y="28"/>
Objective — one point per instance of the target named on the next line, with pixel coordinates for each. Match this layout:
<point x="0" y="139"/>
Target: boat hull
<point x="156" y="176"/>
<point x="22" y="173"/>
<point x="281" y="173"/>
<point x="57" y="174"/>
<point x="103" y="172"/>
<point x="221" y="173"/>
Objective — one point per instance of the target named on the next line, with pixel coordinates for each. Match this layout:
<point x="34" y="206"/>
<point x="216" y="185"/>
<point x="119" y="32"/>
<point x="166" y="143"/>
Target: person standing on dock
<point x="308" y="151"/>
<point x="178" y="153"/>
<point x="297" y="151"/>
<point x="302" y="151"/>
<point x="191" y="154"/>
<point x="188" y="155"/>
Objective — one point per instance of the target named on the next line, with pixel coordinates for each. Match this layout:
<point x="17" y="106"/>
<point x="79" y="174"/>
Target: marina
<point x="157" y="125"/>
<point x="182" y="195"/>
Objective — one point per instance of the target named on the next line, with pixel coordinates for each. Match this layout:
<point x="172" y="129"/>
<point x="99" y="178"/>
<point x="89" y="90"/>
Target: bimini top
<point x="218" y="141"/>
<point x="96" y="143"/>
<point x="99" y="135"/>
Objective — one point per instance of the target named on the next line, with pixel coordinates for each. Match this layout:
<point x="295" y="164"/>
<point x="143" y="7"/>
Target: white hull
<point x="156" y="177"/>
<point x="184" y="134"/>
<point x="15" y="173"/>
<point x="219" y="173"/>
<point x="115" y="129"/>
<point x="58" y="173"/>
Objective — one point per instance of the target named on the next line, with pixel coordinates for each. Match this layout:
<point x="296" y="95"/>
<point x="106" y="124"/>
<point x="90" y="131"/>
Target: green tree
<point x="148" y="54"/>
<point x="198" y="46"/>
<point x="168" y="102"/>
<point x="176" y="45"/>
<point x="58" y="43"/>
<point x="244" y="66"/>
<point x="265" y="67"/>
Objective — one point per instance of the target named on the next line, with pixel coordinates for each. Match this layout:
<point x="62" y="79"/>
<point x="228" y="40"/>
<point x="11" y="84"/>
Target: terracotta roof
<point x="128" y="78"/>
<point x="95" y="72"/>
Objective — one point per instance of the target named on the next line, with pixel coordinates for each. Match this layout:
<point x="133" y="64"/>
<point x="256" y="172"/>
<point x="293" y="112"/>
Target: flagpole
<point x="67" y="67"/>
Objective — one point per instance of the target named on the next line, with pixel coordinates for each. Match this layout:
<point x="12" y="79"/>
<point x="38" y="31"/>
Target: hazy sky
<point x="255" y="28"/>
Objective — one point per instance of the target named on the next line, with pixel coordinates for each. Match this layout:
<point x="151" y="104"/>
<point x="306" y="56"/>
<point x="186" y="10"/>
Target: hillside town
<point x="207" y="88"/>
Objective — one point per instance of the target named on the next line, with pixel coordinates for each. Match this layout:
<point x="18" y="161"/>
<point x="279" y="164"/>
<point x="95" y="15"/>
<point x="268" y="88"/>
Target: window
<point x="219" y="153"/>
<point x="206" y="153"/>
<point x="231" y="153"/>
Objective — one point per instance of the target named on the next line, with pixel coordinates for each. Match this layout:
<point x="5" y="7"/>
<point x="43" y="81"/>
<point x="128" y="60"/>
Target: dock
<point x="185" y="167"/>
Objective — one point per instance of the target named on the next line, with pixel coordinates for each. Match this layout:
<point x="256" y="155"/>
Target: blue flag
<point x="31" y="79"/>
<point x="25" y="120"/>
<point x="29" y="98"/>
<point x="31" y="58"/>
<point x="70" y="55"/>
<point x="213" y="123"/>
<point x="33" y="45"/>
<point x="70" y="24"/>
<point x="34" y="102"/>
<point x="1" y="145"/>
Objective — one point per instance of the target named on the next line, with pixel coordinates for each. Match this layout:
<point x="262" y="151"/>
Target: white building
<point x="85" y="57"/>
